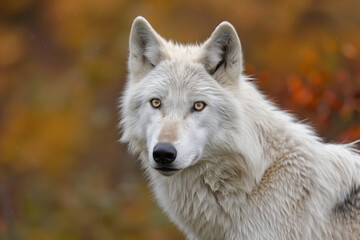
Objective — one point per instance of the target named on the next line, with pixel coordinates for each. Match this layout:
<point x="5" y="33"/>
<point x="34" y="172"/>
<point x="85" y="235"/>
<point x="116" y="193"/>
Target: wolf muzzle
<point x="164" y="154"/>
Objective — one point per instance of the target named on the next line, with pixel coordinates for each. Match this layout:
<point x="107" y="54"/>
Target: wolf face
<point x="177" y="97"/>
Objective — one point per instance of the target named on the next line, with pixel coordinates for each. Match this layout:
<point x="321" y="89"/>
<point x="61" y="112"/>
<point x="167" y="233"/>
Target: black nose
<point x="164" y="153"/>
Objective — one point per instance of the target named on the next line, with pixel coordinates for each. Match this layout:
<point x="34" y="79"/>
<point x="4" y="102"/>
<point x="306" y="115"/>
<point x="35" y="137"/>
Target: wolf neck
<point x="258" y="133"/>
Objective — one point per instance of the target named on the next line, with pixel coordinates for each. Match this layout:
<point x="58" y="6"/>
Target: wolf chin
<point x="224" y="162"/>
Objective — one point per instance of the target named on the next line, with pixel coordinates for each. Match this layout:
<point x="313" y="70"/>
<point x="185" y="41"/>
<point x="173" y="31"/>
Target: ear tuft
<point x="145" y="47"/>
<point x="222" y="56"/>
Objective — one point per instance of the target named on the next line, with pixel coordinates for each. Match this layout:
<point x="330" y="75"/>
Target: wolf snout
<point x="164" y="153"/>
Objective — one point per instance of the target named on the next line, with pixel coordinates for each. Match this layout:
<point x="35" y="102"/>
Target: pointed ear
<point x="222" y="55"/>
<point x="146" y="47"/>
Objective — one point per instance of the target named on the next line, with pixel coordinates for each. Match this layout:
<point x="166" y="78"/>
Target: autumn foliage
<point x="63" y="174"/>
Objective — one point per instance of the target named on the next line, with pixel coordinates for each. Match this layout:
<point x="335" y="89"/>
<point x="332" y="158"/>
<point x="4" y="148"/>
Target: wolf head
<point x="180" y="102"/>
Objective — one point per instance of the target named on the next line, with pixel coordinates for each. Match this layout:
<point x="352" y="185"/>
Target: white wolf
<point x="223" y="162"/>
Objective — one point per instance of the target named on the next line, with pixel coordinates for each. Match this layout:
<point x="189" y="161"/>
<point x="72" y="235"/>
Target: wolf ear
<point x="146" y="47"/>
<point x="222" y="55"/>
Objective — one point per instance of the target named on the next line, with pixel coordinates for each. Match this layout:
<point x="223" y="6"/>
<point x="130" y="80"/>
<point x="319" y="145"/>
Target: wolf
<point x="223" y="161"/>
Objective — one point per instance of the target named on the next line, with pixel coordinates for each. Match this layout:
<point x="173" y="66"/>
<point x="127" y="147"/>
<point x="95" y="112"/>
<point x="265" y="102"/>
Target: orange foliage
<point x="63" y="175"/>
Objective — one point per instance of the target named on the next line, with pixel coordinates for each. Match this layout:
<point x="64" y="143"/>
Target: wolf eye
<point x="198" y="106"/>
<point x="155" y="103"/>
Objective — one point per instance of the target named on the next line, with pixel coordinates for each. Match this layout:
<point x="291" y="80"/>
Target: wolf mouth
<point x="166" y="171"/>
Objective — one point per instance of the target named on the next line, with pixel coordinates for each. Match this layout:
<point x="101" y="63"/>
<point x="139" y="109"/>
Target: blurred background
<point x="63" y="174"/>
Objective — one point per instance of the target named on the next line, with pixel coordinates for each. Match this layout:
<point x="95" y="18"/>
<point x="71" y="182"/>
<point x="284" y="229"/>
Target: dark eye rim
<point x="152" y="105"/>
<point x="198" y="110"/>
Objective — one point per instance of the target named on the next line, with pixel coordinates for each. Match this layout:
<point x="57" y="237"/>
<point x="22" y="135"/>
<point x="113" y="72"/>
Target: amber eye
<point x="155" y="103"/>
<point x="198" y="106"/>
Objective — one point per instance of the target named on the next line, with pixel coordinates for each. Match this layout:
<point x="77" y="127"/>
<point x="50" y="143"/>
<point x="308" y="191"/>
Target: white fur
<point x="248" y="170"/>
